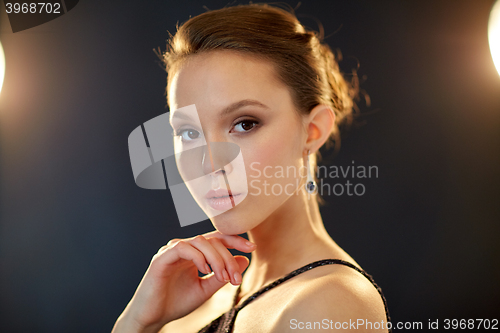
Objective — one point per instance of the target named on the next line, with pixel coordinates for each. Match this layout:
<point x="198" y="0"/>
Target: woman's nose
<point x="214" y="160"/>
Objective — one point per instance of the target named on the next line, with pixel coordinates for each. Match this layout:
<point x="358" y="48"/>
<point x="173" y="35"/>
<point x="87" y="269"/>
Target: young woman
<point x="258" y="79"/>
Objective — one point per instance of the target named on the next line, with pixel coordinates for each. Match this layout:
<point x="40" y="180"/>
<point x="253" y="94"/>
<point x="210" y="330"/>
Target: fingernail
<point x="250" y="244"/>
<point x="237" y="277"/>
<point x="226" y="276"/>
<point x="207" y="268"/>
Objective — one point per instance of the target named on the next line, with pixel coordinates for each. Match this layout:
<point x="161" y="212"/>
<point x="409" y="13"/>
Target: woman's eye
<point x="245" y="126"/>
<point x="188" y="134"/>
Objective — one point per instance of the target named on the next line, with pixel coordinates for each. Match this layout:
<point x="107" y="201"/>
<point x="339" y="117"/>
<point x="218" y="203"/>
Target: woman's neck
<point x="291" y="237"/>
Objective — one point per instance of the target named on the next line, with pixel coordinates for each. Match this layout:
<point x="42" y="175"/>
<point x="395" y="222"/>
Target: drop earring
<point x="310" y="183"/>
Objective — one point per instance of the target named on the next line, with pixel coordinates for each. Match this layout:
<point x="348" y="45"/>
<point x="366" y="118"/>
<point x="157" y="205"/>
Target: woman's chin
<point x="230" y="224"/>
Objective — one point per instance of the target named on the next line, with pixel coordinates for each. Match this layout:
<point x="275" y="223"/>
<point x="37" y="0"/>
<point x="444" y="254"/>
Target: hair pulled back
<point x="302" y="61"/>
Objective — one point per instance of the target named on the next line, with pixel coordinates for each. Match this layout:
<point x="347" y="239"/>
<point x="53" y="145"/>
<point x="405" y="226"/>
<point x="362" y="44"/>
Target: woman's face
<point x="266" y="127"/>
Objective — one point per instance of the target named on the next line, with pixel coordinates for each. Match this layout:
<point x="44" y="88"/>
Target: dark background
<point x="77" y="234"/>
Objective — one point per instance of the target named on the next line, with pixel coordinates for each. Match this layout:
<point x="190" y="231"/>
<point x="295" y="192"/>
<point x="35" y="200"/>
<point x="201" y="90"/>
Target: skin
<point x="286" y="231"/>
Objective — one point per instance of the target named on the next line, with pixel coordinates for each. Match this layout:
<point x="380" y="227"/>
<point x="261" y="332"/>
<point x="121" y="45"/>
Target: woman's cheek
<point x="270" y="172"/>
<point x="267" y="152"/>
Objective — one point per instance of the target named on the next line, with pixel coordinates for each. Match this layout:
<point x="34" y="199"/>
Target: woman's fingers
<point x="232" y="241"/>
<point x="209" y="249"/>
<point x="231" y="266"/>
<point x="210" y="284"/>
<point x="212" y="256"/>
<point x="182" y="250"/>
<point x="242" y="263"/>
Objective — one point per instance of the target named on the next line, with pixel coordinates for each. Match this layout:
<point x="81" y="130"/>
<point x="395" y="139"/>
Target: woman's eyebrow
<point x="238" y="105"/>
<point x="180" y="115"/>
<point x="227" y="110"/>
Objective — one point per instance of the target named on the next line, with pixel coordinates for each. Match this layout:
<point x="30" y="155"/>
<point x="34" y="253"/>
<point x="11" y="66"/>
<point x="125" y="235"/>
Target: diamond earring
<point x="310" y="183"/>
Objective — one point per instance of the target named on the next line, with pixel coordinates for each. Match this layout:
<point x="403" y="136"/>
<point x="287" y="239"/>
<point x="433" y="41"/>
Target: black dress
<point x="225" y="322"/>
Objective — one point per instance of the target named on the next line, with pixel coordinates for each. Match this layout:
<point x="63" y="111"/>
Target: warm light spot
<point x="494" y="34"/>
<point x="2" y="66"/>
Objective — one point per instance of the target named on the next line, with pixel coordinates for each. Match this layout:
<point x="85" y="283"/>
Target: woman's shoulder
<point x="331" y="294"/>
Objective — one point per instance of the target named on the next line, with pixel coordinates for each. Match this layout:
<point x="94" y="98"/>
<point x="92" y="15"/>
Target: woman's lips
<point x="221" y="200"/>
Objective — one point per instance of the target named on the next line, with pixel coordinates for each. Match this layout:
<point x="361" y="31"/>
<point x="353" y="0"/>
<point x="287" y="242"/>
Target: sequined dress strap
<point x="226" y="321"/>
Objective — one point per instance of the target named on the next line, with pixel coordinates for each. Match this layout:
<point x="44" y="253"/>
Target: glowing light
<point x="2" y="66"/>
<point x="494" y="34"/>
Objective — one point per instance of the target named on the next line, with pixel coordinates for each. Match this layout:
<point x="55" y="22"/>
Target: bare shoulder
<point x="337" y="295"/>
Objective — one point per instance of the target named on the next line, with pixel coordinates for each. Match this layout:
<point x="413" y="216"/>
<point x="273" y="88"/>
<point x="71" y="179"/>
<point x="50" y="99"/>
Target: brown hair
<point x="302" y="61"/>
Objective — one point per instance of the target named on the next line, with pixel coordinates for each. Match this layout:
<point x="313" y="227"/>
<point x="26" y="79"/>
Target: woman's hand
<point x="171" y="287"/>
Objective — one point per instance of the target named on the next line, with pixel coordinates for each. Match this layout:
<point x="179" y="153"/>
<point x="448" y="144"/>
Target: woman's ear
<point x="319" y="126"/>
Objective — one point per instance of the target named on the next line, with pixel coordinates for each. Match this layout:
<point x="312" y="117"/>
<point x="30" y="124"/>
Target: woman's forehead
<point x="222" y="75"/>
